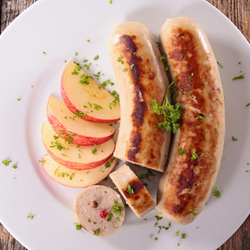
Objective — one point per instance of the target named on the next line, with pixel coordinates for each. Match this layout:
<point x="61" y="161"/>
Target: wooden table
<point x="238" y="11"/>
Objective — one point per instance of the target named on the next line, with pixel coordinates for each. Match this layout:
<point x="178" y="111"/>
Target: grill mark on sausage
<point x="129" y="48"/>
<point x="135" y="141"/>
<point x="136" y="185"/>
<point x="192" y="76"/>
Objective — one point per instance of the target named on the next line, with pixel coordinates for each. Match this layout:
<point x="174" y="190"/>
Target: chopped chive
<point x="219" y="64"/>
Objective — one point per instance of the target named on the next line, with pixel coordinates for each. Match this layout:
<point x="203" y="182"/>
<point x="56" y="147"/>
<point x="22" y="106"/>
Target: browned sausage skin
<point x="140" y="78"/>
<point x="198" y="144"/>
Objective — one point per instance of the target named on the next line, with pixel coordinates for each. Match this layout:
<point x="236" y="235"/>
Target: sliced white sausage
<point x="99" y="210"/>
<point x="133" y="191"/>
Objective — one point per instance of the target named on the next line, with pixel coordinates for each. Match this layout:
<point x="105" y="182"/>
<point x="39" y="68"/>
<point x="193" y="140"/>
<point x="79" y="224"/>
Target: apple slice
<point x="84" y="96"/>
<point x="76" y="178"/>
<point x="75" y="156"/>
<point x="74" y="129"/>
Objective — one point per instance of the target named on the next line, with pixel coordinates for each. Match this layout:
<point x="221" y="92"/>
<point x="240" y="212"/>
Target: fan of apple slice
<point x="76" y="178"/>
<point x="85" y="97"/>
<point x="74" y="129"/>
<point x="75" y="156"/>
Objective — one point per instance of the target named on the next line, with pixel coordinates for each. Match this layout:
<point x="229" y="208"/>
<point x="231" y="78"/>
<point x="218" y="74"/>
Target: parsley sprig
<point x="171" y="113"/>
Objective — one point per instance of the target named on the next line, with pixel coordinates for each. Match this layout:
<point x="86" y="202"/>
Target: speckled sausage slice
<point x="99" y="209"/>
<point x="133" y="191"/>
<point x="197" y="147"/>
<point x="140" y="78"/>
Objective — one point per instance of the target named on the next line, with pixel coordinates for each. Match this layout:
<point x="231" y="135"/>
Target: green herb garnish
<point x="105" y="83"/>
<point x="74" y="72"/>
<point x="146" y="176"/>
<point x="242" y="76"/>
<point x="6" y="162"/>
<point x="130" y="190"/>
<point x="30" y="216"/>
<point x="97" y="75"/>
<point x="191" y="77"/>
<point x="94" y="151"/>
<point x="200" y="117"/>
<point x="79" y="114"/>
<point x="97" y="231"/>
<point x="85" y="79"/>
<point x="87" y="66"/>
<point x="171" y="113"/>
<point x="14" y="166"/>
<point x="194" y="156"/>
<point x="58" y="145"/>
<point x="193" y="212"/>
<point x="216" y="192"/>
<point x="158" y="217"/>
<point x="219" y="64"/>
<point x="162" y="58"/>
<point x="180" y="151"/>
<point x="109" y="216"/>
<point x="107" y="164"/>
<point x="97" y="106"/>
<point x="78" y="226"/>
<point x="120" y="60"/>
<point x="234" y="138"/>
<point x="117" y="209"/>
<point x="183" y="236"/>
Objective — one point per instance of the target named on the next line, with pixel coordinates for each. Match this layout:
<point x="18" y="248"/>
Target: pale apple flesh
<point x="76" y="178"/>
<point x="83" y="95"/>
<point x="75" y="156"/>
<point x="72" y="128"/>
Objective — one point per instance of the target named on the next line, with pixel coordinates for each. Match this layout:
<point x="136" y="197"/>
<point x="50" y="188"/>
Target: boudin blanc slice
<point x="133" y="191"/>
<point x="99" y="210"/>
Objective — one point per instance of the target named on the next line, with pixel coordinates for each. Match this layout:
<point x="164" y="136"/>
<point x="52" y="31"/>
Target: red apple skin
<point x="87" y="117"/>
<point x="76" y="165"/>
<point x="62" y="131"/>
<point x="73" y="161"/>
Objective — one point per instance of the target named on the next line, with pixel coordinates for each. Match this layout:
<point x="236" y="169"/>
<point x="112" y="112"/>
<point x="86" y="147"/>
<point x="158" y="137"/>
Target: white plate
<point x="61" y="28"/>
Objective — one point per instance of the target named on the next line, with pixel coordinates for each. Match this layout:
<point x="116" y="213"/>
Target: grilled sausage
<point x="133" y="191"/>
<point x="198" y="144"/>
<point x="140" y="78"/>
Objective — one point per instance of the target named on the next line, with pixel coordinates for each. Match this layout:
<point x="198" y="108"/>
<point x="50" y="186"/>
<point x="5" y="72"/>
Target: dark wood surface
<point x="238" y="11"/>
